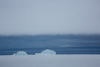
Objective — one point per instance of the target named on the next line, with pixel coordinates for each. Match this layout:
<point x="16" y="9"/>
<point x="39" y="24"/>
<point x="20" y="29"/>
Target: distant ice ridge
<point x="46" y="52"/>
<point x="20" y="53"/>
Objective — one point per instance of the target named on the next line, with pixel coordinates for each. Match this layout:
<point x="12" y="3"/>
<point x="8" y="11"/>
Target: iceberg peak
<point x="46" y="52"/>
<point x="20" y="53"/>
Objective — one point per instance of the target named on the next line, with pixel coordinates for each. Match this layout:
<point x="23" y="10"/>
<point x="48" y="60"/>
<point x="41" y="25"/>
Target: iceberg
<point x="20" y="53"/>
<point x="46" y="52"/>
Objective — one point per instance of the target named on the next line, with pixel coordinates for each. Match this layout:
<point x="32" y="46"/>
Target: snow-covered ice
<point x="50" y="61"/>
<point x="48" y="58"/>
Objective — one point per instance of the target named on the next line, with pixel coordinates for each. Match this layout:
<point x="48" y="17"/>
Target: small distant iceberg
<point x="46" y="52"/>
<point x="20" y="53"/>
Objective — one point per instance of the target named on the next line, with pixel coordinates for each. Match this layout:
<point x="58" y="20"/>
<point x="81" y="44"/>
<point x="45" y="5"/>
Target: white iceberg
<point x="46" y="52"/>
<point x="20" y="53"/>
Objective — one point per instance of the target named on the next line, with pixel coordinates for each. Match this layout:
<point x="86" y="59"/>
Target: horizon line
<point x="46" y="34"/>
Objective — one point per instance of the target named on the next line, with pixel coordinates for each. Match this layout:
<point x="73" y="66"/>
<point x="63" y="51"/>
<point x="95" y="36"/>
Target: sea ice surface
<point x="46" y="52"/>
<point x="20" y="53"/>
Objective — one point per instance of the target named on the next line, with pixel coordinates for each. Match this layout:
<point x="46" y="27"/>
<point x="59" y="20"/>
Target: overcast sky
<point x="49" y="17"/>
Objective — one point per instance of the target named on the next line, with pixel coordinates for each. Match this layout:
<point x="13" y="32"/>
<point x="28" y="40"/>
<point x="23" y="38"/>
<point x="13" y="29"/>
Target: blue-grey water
<point x="62" y="44"/>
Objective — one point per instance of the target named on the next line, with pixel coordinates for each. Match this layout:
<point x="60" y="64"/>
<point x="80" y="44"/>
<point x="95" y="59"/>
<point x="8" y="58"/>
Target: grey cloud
<point x="49" y="17"/>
